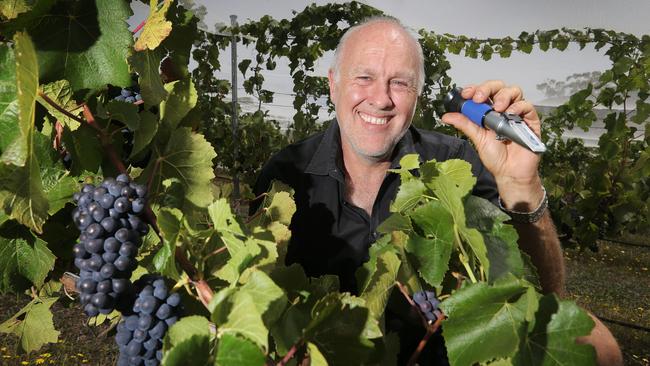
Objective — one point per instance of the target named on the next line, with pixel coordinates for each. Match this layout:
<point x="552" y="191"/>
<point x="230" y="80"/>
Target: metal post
<point x="235" y="122"/>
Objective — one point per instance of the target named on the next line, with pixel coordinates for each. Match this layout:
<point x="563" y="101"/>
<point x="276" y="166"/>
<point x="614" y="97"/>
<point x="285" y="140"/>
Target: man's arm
<point x="520" y="189"/>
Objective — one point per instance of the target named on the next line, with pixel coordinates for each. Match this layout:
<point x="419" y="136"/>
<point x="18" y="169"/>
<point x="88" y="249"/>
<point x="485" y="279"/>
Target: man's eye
<point x="363" y="78"/>
<point x="400" y="83"/>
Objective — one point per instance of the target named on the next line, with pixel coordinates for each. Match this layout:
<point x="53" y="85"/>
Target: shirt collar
<point x="328" y="159"/>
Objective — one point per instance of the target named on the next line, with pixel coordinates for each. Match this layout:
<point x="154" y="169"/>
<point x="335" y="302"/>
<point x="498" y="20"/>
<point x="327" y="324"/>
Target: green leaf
<point x="22" y="196"/>
<point x="170" y="224"/>
<point x="93" y="39"/>
<point x="9" y="103"/>
<point x="237" y="351"/>
<point x="186" y="328"/>
<point x="270" y="299"/>
<point x="242" y="253"/>
<point x="486" y="322"/>
<point x="409" y="195"/>
<point x="246" y="320"/>
<point x="194" y="350"/>
<point x="23" y="256"/>
<point x="500" y="238"/>
<point x="124" y="112"/>
<point x="11" y="9"/>
<point x="337" y="329"/>
<point x="33" y="324"/>
<point x="85" y="148"/>
<point x="433" y="250"/>
<point x="243" y="66"/>
<point x="182" y="98"/>
<point x="156" y="28"/>
<point x="223" y="219"/>
<point x="60" y="92"/>
<point x="26" y="77"/>
<point x="395" y="222"/>
<point x="145" y="133"/>
<point x="315" y="356"/>
<point x="188" y="158"/>
<point x="147" y="64"/>
<point x="382" y="269"/>
<point x="552" y="340"/>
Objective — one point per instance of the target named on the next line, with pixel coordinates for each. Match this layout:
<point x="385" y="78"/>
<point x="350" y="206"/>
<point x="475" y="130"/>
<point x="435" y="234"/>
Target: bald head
<point x="393" y="29"/>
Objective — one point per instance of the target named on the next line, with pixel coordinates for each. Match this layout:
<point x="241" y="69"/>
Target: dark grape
<point x="99" y="300"/>
<point x="428" y="305"/>
<point x="109" y="224"/>
<point x="174" y="299"/>
<point x="87" y="285"/>
<point x="109" y="257"/>
<point x="137" y="205"/>
<point x="94" y="246"/>
<point x="94" y="230"/>
<point x="107" y="270"/>
<point x="79" y="251"/>
<point x="104" y="287"/>
<point x="106" y="201"/>
<point x="120" y="285"/>
<point x="122" y="235"/>
<point x="128" y="249"/>
<point x="122" y="205"/>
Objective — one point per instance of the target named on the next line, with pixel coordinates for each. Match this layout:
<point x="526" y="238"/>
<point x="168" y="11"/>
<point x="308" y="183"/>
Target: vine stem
<point x="463" y="256"/>
<point x="203" y="290"/>
<point x="291" y="353"/>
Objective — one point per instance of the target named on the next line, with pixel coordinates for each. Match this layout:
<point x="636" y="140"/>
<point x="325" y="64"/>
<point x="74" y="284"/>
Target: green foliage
<point x="437" y="237"/>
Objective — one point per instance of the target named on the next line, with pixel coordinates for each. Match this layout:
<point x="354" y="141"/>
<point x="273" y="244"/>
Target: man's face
<point x="375" y="94"/>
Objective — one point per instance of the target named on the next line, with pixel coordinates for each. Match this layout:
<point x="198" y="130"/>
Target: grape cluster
<point x="140" y="334"/>
<point x="108" y="217"/>
<point x="428" y="304"/>
<point x="128" y="96"/>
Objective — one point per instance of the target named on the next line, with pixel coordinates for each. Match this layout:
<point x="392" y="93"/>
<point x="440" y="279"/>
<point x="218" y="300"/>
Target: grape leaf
<point x="242" y="253"/>
<point x="156" y="28"/>
<point x="409" y="195"/>
<point x="450" y="181"/>
<point x="187" y="327"/>
<point x="124" y="112"/>
<point x="11" y="9"/>
<point x="8" y="97"/>
<point x="237" y="351"/>
<point x="433" y="250"/>
<point x="315" y="356"/>
<point x="147" y="64"/>
<point x="181" y="99"/>
<point x="223" y="219"/>
<point x="170" y="224"/>
<point x="245" y="319"/>
<point x="381" y="272"/>
<point x="336" y="328"/>
<point x="552" y="340"/>
<point x="93" y="39"/>
<point x="395" y="222"/>
<point x="85" y="149"/>
<point x="270" y="299"/>
<point x="26" y="69"/>
<point x="188" y="158"/>
<point x="194" y="350"/>
<point x="500" y="238"/>
<point x="33" y="324"/>
<point x="145" y="132"/>
<point x="486" y="322"/>
<point x="406" y="164"/>
<point x="60" y="92"/>
<point x="23" y="256"/>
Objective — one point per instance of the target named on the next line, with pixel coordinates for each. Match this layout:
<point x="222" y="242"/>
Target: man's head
<point x="375" y="79"/>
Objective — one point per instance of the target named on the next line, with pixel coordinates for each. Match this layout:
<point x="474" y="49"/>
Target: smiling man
<point x="343" y="189"/>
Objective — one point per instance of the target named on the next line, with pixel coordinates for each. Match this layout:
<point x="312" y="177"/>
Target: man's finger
<point x="527" y="111"/>
<point x="506" y="96"/>
<point x="474" y="132"/>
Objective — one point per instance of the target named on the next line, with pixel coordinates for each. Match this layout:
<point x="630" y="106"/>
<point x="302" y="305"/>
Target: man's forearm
<point x="540" y="241"/>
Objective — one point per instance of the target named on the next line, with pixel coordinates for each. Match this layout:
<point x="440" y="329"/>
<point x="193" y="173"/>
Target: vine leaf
<point x="93" y="39"/>
<point x="245" y="319"/>
<point x="170" y="224"/>
<point x="156" y="28"/>
<point x="9" y="102"/>
<point x="11" y="9"/>
<point x="187" y="327"/>
<point x="147" y="64"/>
<point x="486" y="322"/>
<point x="24" y="257"/>
<point x="238" y="351"/>
<point x="316" y="357"/>
<point x="500" y="238"/>
<point x="552" y="340"/>
<point x="61" y="93"/>
<point x="145" y="133"/>
<point x="33" y="324"/>
<point x="188" y="158"/>
<point x="194" y="350"/>
<point x="182" y="98"/>
<point x="380" y="273"/>
<point x="433" y="250"/>
<point x="21" y="189"/>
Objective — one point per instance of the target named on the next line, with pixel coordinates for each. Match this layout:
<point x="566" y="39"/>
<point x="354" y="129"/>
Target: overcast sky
<point x="472" y="18"/>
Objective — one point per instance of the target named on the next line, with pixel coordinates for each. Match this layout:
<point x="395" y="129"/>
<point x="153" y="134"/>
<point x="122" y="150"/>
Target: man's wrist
<point x="527" y="217"/>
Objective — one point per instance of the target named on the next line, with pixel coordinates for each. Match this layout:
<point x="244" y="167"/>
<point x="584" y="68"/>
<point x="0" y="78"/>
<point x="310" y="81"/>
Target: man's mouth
<point x="373" y="120"/>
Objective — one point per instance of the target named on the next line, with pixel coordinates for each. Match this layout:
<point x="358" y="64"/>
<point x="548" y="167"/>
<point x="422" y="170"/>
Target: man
<point x="340" y="177"/>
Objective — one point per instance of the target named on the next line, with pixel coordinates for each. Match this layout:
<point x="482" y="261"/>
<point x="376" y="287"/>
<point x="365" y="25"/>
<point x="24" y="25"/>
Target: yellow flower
<point x="24" y="363"/>
<point x="39" y="361"/>
<point x="46" y="355"/>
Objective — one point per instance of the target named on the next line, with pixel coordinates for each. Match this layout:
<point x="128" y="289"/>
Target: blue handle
<point x="475" y="111"/>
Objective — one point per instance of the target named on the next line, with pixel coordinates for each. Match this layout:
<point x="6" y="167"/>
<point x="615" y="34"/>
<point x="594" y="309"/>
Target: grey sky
<point x="473" y="18"/>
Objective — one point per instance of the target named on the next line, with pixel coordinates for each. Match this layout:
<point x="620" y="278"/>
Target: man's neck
<point x="363" y="178"/>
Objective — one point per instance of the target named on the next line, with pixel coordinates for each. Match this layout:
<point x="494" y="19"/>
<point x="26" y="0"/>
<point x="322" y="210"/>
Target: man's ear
<point x="332" y="85"/>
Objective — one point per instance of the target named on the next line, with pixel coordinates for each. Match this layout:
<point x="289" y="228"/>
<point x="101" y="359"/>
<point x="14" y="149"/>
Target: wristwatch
<point x="527" y="217"/>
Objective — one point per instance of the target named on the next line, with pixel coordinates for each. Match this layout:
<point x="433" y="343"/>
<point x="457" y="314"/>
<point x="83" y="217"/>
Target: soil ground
<point x="613" y="283"/>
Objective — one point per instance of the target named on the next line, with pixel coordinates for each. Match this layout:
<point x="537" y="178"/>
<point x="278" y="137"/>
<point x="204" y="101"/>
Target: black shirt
<point x="332" y="236"/>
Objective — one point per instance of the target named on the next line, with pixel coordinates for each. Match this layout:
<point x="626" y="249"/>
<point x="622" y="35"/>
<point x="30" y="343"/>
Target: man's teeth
<point x="373" y="120"/>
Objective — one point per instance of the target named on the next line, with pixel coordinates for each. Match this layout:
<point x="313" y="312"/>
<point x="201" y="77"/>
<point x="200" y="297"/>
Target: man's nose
<point x="380" y="96"/>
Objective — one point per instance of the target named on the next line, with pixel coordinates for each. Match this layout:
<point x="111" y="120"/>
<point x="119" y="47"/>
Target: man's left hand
<point x="514" y="167"/>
